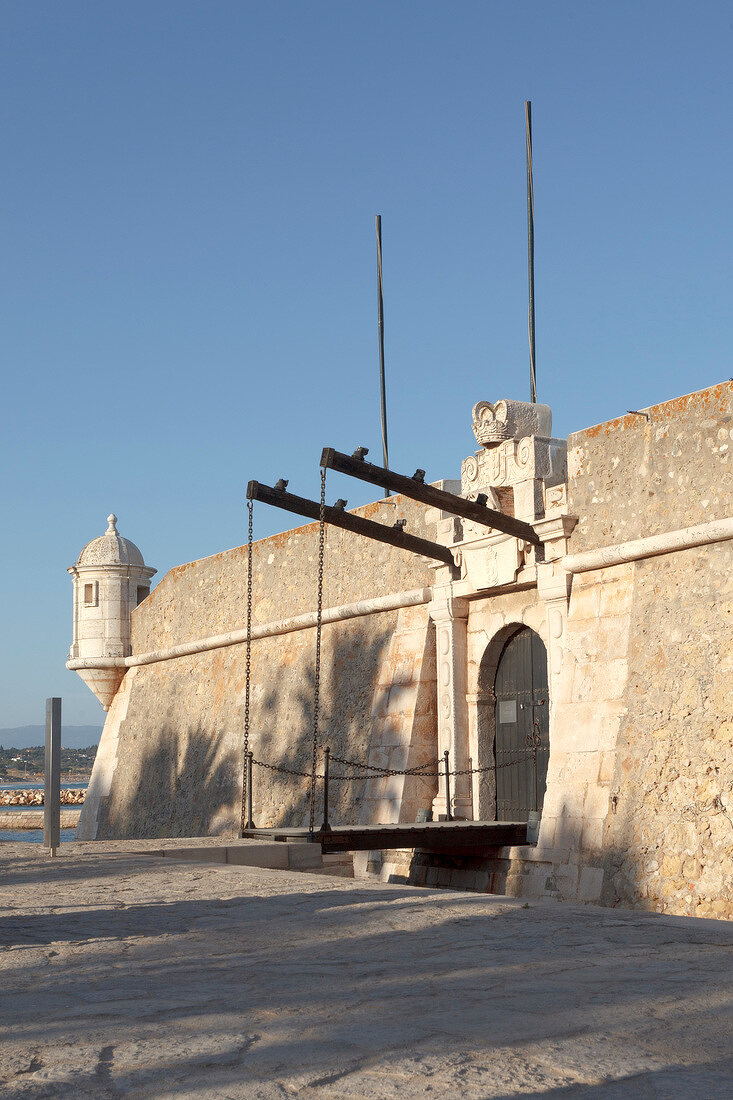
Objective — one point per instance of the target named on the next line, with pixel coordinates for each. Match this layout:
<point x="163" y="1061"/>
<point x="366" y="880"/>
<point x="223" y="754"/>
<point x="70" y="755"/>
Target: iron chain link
<point x="247" y="659"/>
<point x="319" y="623"/>
<point x="373" y="773"/>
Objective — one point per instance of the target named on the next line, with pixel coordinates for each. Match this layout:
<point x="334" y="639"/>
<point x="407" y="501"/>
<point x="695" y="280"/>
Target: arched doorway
<point x="522" y="726"/>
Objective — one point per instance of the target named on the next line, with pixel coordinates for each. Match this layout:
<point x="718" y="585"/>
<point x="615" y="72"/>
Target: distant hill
<point x="28" y="737"/>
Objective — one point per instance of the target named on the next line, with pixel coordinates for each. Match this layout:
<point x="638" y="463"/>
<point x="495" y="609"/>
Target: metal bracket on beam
<point x="311" y="509"/>
<point x="414" y="488"/>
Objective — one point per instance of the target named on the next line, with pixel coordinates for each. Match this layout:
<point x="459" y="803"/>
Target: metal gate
<point x="522" y="742"/>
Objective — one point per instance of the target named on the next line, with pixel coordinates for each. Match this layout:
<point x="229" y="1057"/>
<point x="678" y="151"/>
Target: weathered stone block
<point x="566" y="877"/>
<point x="590" y="884"/>
<point x="592" y="835"/>
<point x="585" y="603"/>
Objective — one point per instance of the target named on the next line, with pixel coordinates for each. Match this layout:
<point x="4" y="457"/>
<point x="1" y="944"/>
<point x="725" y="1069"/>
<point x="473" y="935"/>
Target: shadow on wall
<point x="282" y="730"/>
<point x="185" y="785"/>
<point x="188" y="781"/>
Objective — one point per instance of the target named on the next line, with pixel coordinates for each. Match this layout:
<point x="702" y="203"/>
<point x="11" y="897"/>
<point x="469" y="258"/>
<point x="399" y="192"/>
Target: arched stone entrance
<point x="513" y="725"/>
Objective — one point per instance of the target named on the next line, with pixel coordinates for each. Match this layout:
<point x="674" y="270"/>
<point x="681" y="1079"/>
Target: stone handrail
<point x="716" y="530"/>
<point x="393" y="602"/>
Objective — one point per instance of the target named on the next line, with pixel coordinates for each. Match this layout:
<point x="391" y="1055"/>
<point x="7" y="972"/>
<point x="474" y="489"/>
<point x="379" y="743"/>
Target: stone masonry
<point x="629" y="591"/>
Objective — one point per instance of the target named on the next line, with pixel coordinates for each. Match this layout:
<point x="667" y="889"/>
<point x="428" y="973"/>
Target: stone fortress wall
<point x="170" y="760"/>
<point x="631" y="592"/>
<point x="639" y="792"/>
<point x="657" y="632"/>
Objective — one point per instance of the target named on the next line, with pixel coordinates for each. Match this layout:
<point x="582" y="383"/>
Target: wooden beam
<point x="456" y="837"/>
<point x="428" y="494"/>
<point x="393" y="536"/>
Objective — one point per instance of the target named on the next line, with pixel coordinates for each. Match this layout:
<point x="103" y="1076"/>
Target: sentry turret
<point x="110" y="580"/>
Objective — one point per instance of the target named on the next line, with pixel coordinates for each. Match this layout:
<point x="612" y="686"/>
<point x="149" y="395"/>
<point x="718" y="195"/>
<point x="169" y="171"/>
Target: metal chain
<point x="319" y="623"/>
<point x="375" y="773"/>
<point x="247" y="660"/>
<point x="419" y="769"/>
<point x="282" y="768"/>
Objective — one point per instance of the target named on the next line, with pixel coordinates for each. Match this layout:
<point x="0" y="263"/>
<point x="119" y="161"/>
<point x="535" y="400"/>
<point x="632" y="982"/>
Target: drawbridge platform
<point x="448" y="837"/>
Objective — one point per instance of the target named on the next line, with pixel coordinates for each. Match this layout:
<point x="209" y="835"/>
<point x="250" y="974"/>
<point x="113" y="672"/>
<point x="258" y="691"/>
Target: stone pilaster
<point x="553" y="588"/>
<point x="450" y="615"/>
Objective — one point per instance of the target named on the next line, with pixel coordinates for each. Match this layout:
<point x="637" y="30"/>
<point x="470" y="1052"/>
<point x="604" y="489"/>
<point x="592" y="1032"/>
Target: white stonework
<point x="491" y="560"/>
<point x="450" y="616"/>
<point x="110" y="580"/>
<point x="493" y="424"/>
<point x="520" y="470"/>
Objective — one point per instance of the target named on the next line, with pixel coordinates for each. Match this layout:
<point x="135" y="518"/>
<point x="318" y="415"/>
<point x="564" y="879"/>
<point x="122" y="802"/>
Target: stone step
<point x="275" y="855"/>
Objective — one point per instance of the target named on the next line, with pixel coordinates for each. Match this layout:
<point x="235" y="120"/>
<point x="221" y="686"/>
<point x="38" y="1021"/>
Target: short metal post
<point x="448" y="814"/>
<point x="325" y="827"/>
<point x="249" y="823"/>
<point x="52" y="777"/>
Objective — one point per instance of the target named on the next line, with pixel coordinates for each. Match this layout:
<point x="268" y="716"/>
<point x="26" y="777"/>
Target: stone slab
<point x="141" y="976"/>
<point x="126" y="975"/>
<point x="33" y="819"/>
<point x="274" y="855"/>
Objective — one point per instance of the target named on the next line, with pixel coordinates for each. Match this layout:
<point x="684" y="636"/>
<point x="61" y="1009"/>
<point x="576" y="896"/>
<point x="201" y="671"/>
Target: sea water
<point x="31" y="836"/>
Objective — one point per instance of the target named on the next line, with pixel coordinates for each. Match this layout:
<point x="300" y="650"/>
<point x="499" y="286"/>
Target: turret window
<point x="91" y="594"/>
<point x="141" y="594"/>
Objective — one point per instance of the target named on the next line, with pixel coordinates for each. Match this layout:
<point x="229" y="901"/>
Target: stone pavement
<point x="130" y="975"/>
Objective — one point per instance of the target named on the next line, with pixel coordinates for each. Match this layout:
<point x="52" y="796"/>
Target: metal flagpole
<point x="380" y="310"/>
<point x="530" y="251"/>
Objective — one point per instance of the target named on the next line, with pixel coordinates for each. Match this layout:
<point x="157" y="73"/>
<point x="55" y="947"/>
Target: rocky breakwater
<point x="33" y="818"/>
<point x="69" y="797"/>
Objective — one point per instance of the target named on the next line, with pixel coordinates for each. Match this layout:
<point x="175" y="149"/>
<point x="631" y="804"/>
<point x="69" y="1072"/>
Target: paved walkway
<point x="128" y="975"/>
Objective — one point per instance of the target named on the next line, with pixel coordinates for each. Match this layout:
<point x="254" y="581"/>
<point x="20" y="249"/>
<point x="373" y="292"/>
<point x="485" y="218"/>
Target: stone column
<point x="450" y="615"/>
<point x="553" y="588"/>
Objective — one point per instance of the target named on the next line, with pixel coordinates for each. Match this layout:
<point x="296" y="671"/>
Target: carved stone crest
<point x="493" y="424"/>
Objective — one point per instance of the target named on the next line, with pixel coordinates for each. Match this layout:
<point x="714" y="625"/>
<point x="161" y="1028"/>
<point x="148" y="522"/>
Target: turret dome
<point x="110" y="549"/>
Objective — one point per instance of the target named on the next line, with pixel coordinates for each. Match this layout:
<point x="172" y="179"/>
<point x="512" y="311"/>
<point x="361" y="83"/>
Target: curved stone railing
<point x="337" y="614"/>
<point x="716" y="530"/>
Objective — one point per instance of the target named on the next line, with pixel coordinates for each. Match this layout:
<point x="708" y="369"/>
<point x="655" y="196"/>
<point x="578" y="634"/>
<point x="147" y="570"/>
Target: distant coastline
<point x="27" y="764"/>
<point x="72" y="737"/>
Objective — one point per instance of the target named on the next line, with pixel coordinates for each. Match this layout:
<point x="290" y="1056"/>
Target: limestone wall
<point x="638" y="804"/>
<point x="637" y="810"/>
<point x="170" y="761"/>
<point x="635" y="476"/>
<point x="668" y="843"/>
<point x="208" y="596"/>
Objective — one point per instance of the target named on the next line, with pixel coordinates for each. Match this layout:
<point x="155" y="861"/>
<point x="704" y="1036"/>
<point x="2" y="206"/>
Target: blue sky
<point x="188" y="257"/>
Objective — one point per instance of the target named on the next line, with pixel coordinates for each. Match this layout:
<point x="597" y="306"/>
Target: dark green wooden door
<point x="522" y="743"/>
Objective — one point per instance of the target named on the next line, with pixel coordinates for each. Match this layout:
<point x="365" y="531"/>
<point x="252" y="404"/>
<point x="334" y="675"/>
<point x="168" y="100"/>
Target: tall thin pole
<point x="380" y="311"/>
<point x="52" y="777"/>
<point x="530" y="251"/>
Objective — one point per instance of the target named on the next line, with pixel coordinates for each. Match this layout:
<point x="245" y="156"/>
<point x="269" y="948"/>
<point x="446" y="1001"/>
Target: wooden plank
<point x="311" y="509"/>
<point x="448" y="837"/>
<point x="427" y="494"/>
<point x="433" y="840"/>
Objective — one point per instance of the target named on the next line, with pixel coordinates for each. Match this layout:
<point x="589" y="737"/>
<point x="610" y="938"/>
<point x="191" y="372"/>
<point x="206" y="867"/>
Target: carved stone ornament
<point x="514" y="461"/>
<point x="493" y="424"/>
<point x="491" y="562"/>
<point x="488" y="426"/>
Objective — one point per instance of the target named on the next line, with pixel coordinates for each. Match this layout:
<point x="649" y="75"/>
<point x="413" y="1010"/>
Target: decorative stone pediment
<point x="515" y="461"/>
<point x="519" y="470"/>
<point x="492" y="561"/>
